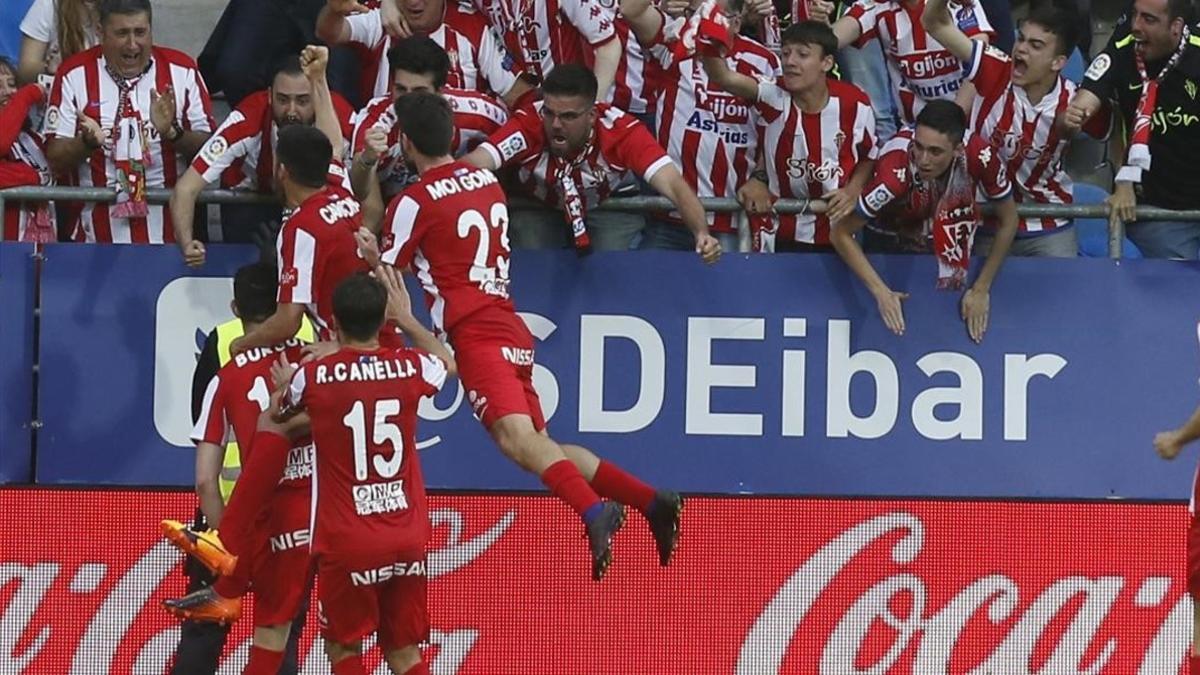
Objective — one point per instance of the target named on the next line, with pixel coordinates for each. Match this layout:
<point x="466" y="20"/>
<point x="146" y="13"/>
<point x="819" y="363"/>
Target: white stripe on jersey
<point x="206" y="410"/>
<point x="304" y="252"/>
<point x="401" y="228"/>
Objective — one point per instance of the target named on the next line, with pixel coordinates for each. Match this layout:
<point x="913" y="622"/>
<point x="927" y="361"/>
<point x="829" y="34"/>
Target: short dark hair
<point x="814" y="33"/>
<point x="1180" y="9"/>
<point x="426" y="120"/>
<point x="1059" y="18"/>
<point x="735" y="6"/>
<point x="7" y="64"/>
<point x="359" y="305"/>
<point x="306" y="152"/>
<point x="571" y="79"/>
<point x="289" y="64"/>
<point x="255" y="288"/>
<point x="945" y="117"/>
<point x="125" y="7"/>
<point x="419" y="54"/>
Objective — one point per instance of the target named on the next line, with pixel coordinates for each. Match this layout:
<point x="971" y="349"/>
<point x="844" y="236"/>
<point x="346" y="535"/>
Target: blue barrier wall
<point x="765" y="374"/>
<point x="16" y="361"/>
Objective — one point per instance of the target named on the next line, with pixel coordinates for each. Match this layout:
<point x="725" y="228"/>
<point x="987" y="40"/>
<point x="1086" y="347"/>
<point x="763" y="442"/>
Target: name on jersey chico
<point x="347" y="207"/>
<point x="465" y="182"/>
<point x="365" y="371"/>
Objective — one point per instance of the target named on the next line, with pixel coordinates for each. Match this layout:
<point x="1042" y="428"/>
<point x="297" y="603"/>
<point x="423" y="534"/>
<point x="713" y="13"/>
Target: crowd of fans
<point x="575" y="101"/>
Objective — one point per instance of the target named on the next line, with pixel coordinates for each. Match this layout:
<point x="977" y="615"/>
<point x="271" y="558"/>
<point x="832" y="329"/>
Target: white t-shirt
<point x="41" y="24"/>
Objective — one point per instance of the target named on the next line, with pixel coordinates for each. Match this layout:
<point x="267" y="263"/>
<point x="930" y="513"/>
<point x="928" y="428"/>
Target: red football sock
<point x="566" y="483"/>
<point x="262" y="467"/>
<point x="351" y="665"/>
<point x="613" y="482"/>
<point x="263" y="662"/>
<point x="1193" y="664"/>
<point x="421" y="668"/>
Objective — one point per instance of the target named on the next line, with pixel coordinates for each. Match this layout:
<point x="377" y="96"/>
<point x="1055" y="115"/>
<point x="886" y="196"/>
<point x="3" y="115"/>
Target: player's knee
<point x="273" y="638"/>
<point x="402" y="660"/>
<point x="338" y="651"/>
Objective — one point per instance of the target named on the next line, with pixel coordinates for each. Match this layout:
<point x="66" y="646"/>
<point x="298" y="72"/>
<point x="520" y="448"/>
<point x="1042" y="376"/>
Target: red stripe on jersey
<point x="96" y="161"/>
<point x="811" y="125"/>
<point x="162" y="82"/>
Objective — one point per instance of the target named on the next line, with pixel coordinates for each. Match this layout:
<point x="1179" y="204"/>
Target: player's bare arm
<point x="720" y="74"/>
<point x="755" y="196"/>
<point x="183" y="213"/>
<point x="332" y="27"/>
<point x="1168" y="444"/>
<point x="187" y="142"/>
<point x="1122" y="203"/>
<point x="524" y="85"/>
<point x="364" y="170"/>
<point x="977" y="300"/>
<point x="940" y="25"/>
<point x="607" y="59"/>
<point x="209" y="458"/>
<point x="670" y="183"/>
<point x="399" y="310"/>
<point x="642" y="18"/>
<point x="842" y="236"/>
<point x="481" y="158"/>
<point x="313" y="61"/>
<point x="282" y="325"/>
<point x="840" y="203"/>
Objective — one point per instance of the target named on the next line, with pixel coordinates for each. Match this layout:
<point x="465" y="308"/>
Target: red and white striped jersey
<point x="619" y="143"/>
<point x="476" y="116"/>
<point x="24" y="164"/>
<point x="810" y="154"/>
<point x="478" y="59"/>
<point x="899" y="201"/>
<point x="541" y="34"/>
<point x="451" y="226"/>
<point x="236" y="154"/>
<point x="711" y="134"/>
<point x="368" y="494"/>
<point x="632" y="90"/>
<point x="1023" y="132"/>
<point x="920" y="67"/>
<point x="316" y="249"/>
<point x="237" y="395"/>
<point x="83" y="86"/>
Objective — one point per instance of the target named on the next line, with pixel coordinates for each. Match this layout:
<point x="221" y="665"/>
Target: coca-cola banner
<point x="16" y="361"/>
<point x="757" y="586"/>
<point x="761" y="374"/>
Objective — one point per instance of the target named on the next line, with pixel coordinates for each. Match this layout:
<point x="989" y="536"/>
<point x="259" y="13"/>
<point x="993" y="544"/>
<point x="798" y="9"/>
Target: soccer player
<point x="452" y="224"/>
<point x="923" y="197"/>
<point x="573" y="152"/>
<point x="241" y="152"/>
<point x="818" y="134"/>
<point x="370" y="519"/>
<point x="1168" y="445"/>
<point x="417" y="63"/>
<point x="316" y="245"/>
<point x="130" y="115"/>
<point x="920" y="68"/>
<point x="1020" y="99"/>
<point x="274" y="553"/>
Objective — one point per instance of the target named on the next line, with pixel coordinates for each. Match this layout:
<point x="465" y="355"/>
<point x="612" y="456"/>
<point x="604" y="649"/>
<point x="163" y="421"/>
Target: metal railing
<point x="1116" y="234"/>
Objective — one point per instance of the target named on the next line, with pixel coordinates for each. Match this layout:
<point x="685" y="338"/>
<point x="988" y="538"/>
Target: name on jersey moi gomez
<point x="462" y="181"/>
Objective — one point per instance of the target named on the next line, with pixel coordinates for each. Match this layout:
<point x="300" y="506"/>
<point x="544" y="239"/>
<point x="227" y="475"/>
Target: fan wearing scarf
<point x="923" y="196"/>
<point x="129" y="115"/>
<point x="1151" y="69"/>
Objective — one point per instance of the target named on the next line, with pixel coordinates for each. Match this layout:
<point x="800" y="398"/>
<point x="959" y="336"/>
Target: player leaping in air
<point x="452" y="227"/>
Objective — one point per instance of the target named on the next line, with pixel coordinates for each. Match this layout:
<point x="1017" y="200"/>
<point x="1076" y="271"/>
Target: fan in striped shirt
<point x="1020" y="97"/>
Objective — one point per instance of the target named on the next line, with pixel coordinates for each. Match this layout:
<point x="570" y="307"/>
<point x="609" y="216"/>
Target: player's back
<point x="452" y="226"/>
<point x="317" y="249"/>
<point x="239" y="393"/>
<point x="368" y="491"/>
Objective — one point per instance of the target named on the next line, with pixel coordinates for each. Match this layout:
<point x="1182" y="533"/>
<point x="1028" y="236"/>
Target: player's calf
<point x="345" y="658"/>
<point x="406" y="661"/>
<point x="266" y="653"/>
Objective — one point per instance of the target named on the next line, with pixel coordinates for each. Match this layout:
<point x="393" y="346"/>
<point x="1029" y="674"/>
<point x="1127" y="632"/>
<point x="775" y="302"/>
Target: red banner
<point x="757" y="586"/>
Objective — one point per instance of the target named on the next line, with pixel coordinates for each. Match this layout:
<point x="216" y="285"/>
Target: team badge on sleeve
<point x="288" y="277"/>
<point x="1099" y="67"/>
<point x="512" y="146"/>
<point x="214" y="148"/>
<point x="52" y="120"/>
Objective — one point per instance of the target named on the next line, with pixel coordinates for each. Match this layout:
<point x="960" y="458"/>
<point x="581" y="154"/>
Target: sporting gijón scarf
<point x="1138" y="157"/>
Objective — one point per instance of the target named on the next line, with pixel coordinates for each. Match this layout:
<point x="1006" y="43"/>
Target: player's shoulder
<point x="612" y="119"/>
<point x="377" y="105"/>
<point x="897" y="145"/>
<point x="468" y="101"/>
<point x="980" y="154"/>
<point x="465" y="20"/>
<point x="174" y="57"/>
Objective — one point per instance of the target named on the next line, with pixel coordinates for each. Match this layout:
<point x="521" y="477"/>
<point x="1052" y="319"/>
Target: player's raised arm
<point x="314" y="60"/>
<point x="643" y="18"/>
<point x="399" y="311"/>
